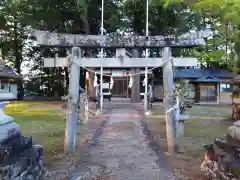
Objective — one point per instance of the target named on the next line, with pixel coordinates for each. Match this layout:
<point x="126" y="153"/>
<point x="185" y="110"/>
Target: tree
<point x="84" y="16"/>
<point x="223" y="18"/>
<point x="162" y="21"/>
<point x="13" y="32"/>
<point x="90" y="11"/>
<point x="135" y="23"/>
<point x="71" y="16"/>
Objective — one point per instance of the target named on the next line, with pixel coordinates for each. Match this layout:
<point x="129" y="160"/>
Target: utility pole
<point x="72" y="114"/>
<point x="146" y="69"/>
<point x="168" y="84"/>
<point x="101" y="71"/>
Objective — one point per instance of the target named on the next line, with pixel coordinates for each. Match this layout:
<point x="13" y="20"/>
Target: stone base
<point x="181" y="120"/>
<point x="180" y="129"/>
<point x="183" y="117"/>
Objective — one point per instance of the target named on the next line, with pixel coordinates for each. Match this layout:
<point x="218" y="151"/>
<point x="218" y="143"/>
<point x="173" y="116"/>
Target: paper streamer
<point x="130" y="82"/>
<point x="111" y="82"/>
<point x="95" y="84"/>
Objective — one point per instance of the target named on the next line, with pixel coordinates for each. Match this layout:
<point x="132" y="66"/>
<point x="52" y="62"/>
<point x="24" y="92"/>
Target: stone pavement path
<point x="123" y="148"/>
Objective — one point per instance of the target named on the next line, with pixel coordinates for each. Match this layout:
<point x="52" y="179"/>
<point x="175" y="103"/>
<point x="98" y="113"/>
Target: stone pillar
<point x="168" y="84"/>
<point x="72" y="114"/>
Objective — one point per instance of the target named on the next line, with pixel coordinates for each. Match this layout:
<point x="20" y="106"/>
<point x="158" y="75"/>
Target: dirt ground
<point x="205" y="124"/>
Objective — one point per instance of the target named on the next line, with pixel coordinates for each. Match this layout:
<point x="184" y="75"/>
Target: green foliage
<point x="161" y="20"/>
<point x="84" y="16"/>
<point x="168" y="2"/>
<point x="224" y="18"/>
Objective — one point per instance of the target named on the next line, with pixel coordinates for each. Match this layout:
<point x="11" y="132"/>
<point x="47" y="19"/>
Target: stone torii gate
<point x="45" y="38"/>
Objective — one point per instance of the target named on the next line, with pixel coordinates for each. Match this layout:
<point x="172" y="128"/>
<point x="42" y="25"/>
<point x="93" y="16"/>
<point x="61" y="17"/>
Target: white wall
<point x="8" y="87"/>
<point x="14" y="89"/>
<point x="106" y="85"/>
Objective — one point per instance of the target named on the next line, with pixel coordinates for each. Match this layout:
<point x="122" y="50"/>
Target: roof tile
<point x="200" y="73"/>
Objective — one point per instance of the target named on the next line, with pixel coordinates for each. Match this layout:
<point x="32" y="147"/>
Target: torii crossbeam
<point x="117" y="62"/>
<point x="46" y="38"/>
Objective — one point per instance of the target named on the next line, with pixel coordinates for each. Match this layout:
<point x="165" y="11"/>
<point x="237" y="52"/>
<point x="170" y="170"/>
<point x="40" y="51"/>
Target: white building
<point x="8" y="85"/>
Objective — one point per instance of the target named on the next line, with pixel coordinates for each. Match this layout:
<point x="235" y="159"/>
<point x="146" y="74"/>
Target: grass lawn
<point x="43" y="122"/>
<point x="206" y="123"/>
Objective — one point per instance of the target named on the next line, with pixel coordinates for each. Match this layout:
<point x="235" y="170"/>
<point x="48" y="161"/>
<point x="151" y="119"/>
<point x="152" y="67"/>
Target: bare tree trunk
<point x="66" y="76"/>
<point x="18" y="61"/>
<point x="237" y="60"/>
<point x="235" y="91"/>
<point x="90" y="86"/>
<point x="135" y="93"/>
<point x="236" y="65"/>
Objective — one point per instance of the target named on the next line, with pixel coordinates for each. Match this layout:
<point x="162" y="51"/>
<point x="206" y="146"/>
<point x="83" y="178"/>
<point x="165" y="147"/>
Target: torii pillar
<point x="72" y="114"/>
<point x="168" y="85"/>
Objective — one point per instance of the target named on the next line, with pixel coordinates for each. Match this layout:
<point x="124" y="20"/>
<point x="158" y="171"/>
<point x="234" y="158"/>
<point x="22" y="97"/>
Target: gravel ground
<point x="122" y="149"/>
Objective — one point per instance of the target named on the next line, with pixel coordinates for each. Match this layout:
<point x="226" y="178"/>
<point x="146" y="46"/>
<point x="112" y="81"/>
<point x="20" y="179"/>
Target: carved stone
<point x="46" y="38"/>
<point x="19" y="158"/>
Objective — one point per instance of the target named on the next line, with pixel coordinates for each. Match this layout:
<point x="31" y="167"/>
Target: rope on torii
<point x="71" y="134"/>
<point x="130" y="82"/>
<point x="74" y="63"/>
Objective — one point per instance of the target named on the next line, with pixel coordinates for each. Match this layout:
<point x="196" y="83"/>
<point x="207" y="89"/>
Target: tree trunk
<point x="90" y="86"/>
<point x="60" y="83"/>
<point x="18" y="61"/>
<point x="82" y="78"/>
<point x="66" y="77"/>
<point x="235" y="111"/>
<point x="237" y="60"/>
<point x="236" y="64"/>
<point x="135" y="93"/>
<point x="49" y="81"/>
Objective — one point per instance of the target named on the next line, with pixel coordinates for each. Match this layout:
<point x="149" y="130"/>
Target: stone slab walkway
<point x="121" y="149"/>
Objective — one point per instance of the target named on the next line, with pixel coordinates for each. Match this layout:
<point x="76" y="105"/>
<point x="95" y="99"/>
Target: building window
<point x="225" y="88"/>
<point x="2" y="86"/>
